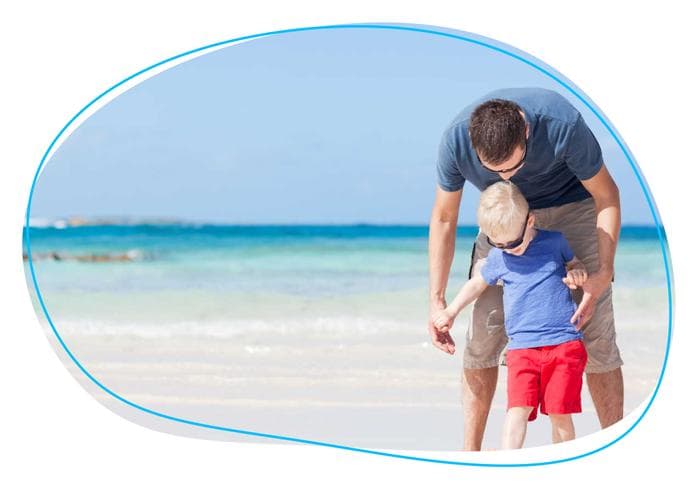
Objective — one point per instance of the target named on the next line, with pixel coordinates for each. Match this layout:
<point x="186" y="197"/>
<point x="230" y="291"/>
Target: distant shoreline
<point x="139" y="241"/>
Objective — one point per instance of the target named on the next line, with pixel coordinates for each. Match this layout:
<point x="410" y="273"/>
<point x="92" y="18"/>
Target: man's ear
<point x="530" y="220"/>
<point x="527" y="126"/>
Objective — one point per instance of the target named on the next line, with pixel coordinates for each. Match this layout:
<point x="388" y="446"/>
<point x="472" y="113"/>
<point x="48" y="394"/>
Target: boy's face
<point x="525" y="231"/>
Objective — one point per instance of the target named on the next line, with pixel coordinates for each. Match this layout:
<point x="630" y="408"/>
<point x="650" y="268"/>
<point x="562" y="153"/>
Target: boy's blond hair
<point x="502" y="208"/>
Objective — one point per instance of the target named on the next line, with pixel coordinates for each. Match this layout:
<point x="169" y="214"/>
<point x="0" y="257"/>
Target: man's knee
<point x="607" y="393"/>
<point x="609" y="383"/>
<point x="479" y="384"/>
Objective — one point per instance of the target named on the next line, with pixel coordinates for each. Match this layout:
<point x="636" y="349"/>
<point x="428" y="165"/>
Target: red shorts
<point x="549" y="377"/>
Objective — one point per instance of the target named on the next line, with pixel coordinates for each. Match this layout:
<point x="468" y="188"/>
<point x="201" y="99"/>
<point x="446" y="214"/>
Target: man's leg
<point x="603" y="372"/>
<point x="607" y="392"/>
<point x="479" y="385"/>
<point x="486" y="339"/>
<point x="578" y="223"/>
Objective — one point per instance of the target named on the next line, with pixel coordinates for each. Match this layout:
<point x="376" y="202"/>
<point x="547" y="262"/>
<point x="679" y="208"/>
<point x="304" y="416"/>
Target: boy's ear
<point x="530" y="220"/>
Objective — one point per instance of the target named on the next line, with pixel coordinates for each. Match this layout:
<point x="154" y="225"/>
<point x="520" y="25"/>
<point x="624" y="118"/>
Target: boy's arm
<point x="468" y="294"/>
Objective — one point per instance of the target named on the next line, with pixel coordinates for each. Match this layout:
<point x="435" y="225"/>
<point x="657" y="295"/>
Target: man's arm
<point x="575" y="263"/>
<point x="441" y="248"/>
<point x="607" y="203"/>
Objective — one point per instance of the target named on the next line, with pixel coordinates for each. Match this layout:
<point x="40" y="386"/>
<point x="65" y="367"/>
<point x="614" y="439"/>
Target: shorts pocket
<point x="574" y="351"/>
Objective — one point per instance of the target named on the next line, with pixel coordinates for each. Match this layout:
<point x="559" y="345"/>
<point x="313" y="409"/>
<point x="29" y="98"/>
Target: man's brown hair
<point x="496" y="128"/>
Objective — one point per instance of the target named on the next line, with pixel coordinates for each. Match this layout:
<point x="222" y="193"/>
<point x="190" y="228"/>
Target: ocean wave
<point x="342" y="327"/>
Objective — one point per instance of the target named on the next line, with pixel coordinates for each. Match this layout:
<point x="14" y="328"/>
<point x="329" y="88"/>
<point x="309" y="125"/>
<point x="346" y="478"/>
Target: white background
<point x="635" y="62"/>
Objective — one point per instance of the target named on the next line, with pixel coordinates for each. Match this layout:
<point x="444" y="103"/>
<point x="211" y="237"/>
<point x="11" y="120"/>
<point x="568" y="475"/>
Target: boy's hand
<point x="443" y="321"/>
<point x="575" y="278"/>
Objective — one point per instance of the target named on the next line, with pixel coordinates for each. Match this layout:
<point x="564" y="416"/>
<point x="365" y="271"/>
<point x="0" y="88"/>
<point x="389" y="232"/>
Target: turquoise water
<point x="226" y="274"/>
<point x="328" y="259"/>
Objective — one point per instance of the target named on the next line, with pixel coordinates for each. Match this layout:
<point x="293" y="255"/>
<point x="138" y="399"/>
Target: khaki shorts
<point x="486" y="336"/>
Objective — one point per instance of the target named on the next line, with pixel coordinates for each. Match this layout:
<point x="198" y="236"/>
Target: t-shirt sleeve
<point x="583" y="154"/>
<point x="566" y="251"/>
<point x="491" y="270"/>
<point x="448" y="176"/>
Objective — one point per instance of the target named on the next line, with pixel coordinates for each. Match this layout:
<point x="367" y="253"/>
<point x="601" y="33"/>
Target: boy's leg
<point x="515" y="427"/>
<point x="562" y="380"/>
<point x="524" y="388"/>
<point x="485" y="341"/>
<point x="562" y="427"/>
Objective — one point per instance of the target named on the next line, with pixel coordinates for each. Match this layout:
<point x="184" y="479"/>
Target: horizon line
<point x="121" y="222"/>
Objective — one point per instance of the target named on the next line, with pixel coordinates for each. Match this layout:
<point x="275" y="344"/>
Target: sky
<point x="333" y="126"/>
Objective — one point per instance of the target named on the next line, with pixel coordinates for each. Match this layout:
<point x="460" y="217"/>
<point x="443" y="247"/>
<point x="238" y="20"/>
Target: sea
<point x="311" y="333"/>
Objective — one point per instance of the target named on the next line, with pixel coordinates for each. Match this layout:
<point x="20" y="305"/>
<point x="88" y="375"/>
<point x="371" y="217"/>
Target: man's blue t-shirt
<point x="538" y="305"/>
<point x="561" y="150"/>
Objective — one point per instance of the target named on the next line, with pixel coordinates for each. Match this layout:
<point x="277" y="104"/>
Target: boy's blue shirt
<point x="538" y="305"/>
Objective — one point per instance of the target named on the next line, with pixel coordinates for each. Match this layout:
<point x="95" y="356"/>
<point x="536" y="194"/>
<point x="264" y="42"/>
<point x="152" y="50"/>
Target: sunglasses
<point x="512" y="244"/>
<point x="510" y="169"/>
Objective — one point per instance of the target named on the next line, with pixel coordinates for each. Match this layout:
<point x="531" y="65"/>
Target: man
<point x="536" y="139"/>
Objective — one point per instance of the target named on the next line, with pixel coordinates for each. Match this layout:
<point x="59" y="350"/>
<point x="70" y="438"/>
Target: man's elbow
<point x="444" y="219"/>
<point x="608" y="197"/>
<point x="614" y="191"/>
<point x="613" y="196"/>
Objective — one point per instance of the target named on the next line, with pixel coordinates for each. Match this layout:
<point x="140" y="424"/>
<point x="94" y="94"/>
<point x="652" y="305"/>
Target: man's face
<point x="513" y="164"/>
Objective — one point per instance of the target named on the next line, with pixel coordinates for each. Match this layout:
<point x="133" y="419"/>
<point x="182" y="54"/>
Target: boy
<point x="546" y="356"/>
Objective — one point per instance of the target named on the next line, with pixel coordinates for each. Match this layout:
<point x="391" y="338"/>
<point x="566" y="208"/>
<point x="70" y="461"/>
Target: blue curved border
<point x="448" y="34"/>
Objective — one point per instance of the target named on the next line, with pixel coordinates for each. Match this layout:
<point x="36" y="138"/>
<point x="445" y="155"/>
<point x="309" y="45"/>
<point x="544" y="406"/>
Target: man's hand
<point x="592" y="289"/>
<point x="441" y="340"/>
<point x="575" y="278"/>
